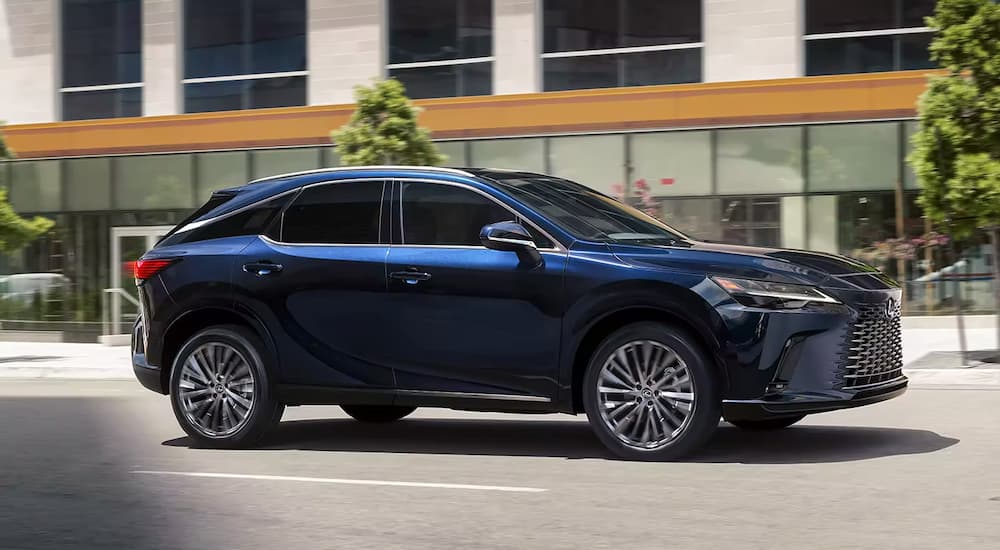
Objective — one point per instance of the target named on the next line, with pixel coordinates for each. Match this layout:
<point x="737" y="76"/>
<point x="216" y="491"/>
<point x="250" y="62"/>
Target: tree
<point x="15" y="231"/>
<point x="956" y="151"/>
<point x="384" y="130"/>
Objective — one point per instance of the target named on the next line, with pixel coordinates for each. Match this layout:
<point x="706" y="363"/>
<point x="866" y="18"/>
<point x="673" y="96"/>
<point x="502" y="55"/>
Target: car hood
<point x="783" y="265"/>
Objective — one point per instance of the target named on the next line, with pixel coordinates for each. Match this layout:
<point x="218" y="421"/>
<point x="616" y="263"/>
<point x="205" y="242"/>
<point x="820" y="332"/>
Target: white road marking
<point x="349" y="481"/>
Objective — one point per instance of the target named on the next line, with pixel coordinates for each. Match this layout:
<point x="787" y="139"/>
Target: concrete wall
<point x="162" y="57"/>
<point x="516" y="46"/>
<point x="29" y="57"/>
<point x="755" y="40"/>
<point x="346" y="47"/>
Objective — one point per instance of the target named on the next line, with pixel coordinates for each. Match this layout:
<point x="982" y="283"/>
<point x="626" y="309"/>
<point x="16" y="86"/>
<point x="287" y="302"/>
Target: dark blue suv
<point x="383" y="289"/>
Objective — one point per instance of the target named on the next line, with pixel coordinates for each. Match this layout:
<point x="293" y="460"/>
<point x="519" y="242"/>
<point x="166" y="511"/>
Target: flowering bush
<point x="900" y="249"/>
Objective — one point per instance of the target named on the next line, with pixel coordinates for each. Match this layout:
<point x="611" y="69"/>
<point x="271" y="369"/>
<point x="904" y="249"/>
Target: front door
<point x="127" y="245"/>
<point x="469" y="322"/>
<point x="319" y="286"/>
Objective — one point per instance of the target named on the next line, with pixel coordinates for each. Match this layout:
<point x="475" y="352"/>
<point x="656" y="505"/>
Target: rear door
<point x="470" y="323"/>
<point x="319" y="284"/>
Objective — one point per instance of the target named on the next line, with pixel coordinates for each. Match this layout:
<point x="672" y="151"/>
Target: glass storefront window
<point x="853" y="157"/>
<point x="515" y="154"/>
<point x="36" y="186"/>
<point x="88" y="184"/>
<point x="154" y="182"/>
<point x="673" y="163"/>
<point x="455" y="151"/>
<point x="216" y="171"/>
<point x="466" y="79"/>
<point x="273" y="162"/>
<point x="595" y="161"/>
<point x="759" y="160"/>
<point x="697" y="218"/>
<point x="910" y="181"/>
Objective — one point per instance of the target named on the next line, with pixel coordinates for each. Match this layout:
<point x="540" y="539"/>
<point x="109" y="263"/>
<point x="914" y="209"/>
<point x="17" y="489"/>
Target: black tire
<point x="768" y="424"/>
<point x="703" y="418"/>
<point x="265" y="411"/>
<point x="377" y="414"/>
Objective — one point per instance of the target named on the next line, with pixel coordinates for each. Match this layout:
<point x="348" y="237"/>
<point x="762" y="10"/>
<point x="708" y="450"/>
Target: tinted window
<point x="124" y="102"/>
<point x="446" y="80"/>
<point x="335" y="213"/>
<point x="572" y="25"/>
<point x="101" y="42"/>
<point x="436" y="30"/>
<point x="447" y="215"/>
<point x="245" y="94"/>
<point x="252" y="221"/>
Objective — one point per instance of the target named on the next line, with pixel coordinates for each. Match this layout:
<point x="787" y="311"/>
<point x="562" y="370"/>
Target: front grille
<point x="874" y="347"/>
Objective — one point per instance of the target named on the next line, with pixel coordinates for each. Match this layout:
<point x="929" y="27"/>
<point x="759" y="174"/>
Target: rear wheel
<point x="220" y="390"/>
<point x="650" y="393"/>
<point x="377" y="413"/>
<point x="768" y="424"/>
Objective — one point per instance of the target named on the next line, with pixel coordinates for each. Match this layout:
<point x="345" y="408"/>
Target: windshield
<point x="585" y="213"/>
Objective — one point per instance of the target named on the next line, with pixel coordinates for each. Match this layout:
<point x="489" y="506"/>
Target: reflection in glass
<point x="468" y="79"/>
<point x="823" y="16"/>
<point x="101" y="42"/>
<point x="574" y="25"/>
<point x="750" y="160"/>
<point x="245" y="94"/>
<point x="595" y="161"/>
<point x="849" y="55"/>
<point x="513" y="154"/>
<point x="88" y="183"/>
<point x="153" y="182"/>
<point x="35" y="186"/>
<point x="272" y="162"/>
<point x="853" y="156"/>
<point x="436" y="30"/>
<point x="124" y="102"/>
<point x="673" y="163"/>
<point x="219" y="171"/>
<point x="615" y="70"/>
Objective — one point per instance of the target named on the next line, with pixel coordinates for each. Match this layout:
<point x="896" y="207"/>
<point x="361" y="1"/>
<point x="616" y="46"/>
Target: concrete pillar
<point x="517" y="46"/>
<point x="29" y="61"/>
<point x="346" y="47"/>
<point x="753" y="40"/>
<point x="162" y="57"/>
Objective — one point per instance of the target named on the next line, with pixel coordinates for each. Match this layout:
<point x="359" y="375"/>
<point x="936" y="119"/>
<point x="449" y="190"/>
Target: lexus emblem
<point x="891" y="309"/>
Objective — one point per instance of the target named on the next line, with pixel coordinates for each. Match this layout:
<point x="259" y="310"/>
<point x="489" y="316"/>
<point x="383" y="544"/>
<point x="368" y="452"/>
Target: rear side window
<point x="215" y="201"/>
<point x="335" y="213"/>
<point x="255" y="220"/>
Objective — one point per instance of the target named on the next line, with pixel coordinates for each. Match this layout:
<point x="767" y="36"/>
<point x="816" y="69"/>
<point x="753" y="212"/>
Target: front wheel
<point x="651" y="393"/>
<point x="219" y="388"/>
<point x="377" y="414"/>
<point x="768" y="424"/>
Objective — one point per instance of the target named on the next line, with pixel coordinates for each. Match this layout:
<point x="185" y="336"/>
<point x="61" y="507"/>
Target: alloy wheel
<point x="646" y="394"/>
<point x="216" y="389"/>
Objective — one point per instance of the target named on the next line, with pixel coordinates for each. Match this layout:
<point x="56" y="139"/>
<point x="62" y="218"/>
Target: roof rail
<point x="349" y="168"/>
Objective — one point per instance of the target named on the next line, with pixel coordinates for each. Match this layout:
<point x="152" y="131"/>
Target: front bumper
<point x="793" y="404"/>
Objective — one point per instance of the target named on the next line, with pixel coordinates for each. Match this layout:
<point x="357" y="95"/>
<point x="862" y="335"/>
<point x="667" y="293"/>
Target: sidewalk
<point x="923" y="357"/>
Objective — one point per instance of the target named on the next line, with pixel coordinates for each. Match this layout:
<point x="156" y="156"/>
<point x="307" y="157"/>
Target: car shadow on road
<point x="804" y="444"/>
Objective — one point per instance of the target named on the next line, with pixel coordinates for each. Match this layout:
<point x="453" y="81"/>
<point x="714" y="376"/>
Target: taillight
<point x="145" y="269"/>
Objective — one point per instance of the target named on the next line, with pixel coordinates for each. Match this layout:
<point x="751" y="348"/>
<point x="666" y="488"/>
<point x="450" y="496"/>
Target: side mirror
<point x="511" y="237"/>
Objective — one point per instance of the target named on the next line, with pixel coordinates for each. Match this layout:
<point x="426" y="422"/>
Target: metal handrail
<point x="107" y="324"/>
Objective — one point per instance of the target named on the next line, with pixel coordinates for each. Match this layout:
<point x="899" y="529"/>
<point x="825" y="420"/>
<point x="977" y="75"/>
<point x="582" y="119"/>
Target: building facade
<point x="772" y="122"/>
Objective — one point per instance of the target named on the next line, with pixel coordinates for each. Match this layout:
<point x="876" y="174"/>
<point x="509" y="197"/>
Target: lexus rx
<point x="383" y="289"/>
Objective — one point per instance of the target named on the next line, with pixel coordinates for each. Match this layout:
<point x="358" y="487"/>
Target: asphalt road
<point x="922" y="471"/>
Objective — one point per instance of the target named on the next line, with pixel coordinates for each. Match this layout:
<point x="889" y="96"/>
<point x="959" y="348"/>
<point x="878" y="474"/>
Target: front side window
<point x="442" y="48"/>
<point x="244" y="54"/>
<point x="101" y="59"/>
<point x="446" y="215"/>
<point x="613" y="43"/>
<point x="865" y="36"/>
<point x="335" y="213"/>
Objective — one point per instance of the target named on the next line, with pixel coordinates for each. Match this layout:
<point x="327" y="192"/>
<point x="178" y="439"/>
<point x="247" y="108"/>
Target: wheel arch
<point x="196" y="320"/>
<point x="675" y="306"/>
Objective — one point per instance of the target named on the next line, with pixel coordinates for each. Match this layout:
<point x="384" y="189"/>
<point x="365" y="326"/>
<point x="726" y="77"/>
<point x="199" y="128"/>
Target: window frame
<point x="544" y="55"/>
<point x="485" y="59"/>
<point x="396" y="223"/>
<point x="893" y="32"/>
<point x="242" y="77"/>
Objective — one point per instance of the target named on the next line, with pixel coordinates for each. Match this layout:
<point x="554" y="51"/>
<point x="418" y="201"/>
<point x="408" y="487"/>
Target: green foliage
<point x="15" y="231"/>
<point x="956" y="152"/>
<point x="384" y="130"/>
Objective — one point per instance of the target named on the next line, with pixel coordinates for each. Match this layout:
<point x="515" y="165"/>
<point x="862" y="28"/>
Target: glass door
<point x="127" y="245"/>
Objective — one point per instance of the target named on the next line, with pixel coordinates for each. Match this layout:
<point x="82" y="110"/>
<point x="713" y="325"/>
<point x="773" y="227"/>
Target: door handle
<point x="262" y="269"/>
<point x="410" y="277"/>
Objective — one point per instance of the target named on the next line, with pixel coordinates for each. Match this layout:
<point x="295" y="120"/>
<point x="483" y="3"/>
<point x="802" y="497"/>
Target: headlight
<point x="773" y="295"/>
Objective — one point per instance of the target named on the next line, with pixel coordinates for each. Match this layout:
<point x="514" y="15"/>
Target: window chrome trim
<point x="472" y="395"/>
<point x="558" y="245"/>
